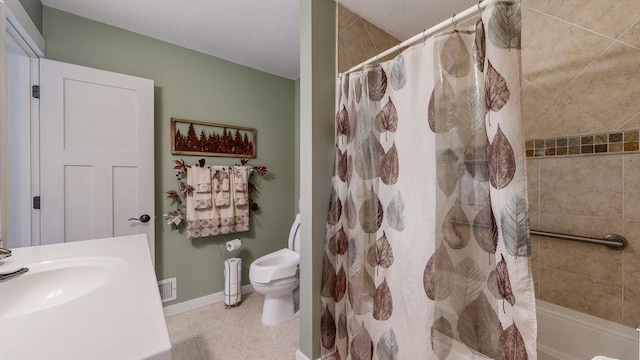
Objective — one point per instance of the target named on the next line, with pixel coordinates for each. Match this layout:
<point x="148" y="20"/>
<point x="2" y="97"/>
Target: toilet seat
<point x="285" y="282"/>
<point x="279" y="264"/>
<point x="274" y="266"/>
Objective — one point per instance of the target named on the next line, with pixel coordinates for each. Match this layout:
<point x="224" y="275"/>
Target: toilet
<point x="276" y="276"/>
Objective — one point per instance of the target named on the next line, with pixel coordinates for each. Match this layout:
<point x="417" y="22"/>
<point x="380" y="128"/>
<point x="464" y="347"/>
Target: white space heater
<point x="232" y="280"/>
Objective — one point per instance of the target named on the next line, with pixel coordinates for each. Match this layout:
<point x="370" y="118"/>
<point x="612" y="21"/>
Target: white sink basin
<point x="94" y="299"/>
<point x="52" y="283"/>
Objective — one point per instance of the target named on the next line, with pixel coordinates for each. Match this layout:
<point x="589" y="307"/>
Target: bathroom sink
<point x="93" y="299"/>
<point x="52" y="283"/>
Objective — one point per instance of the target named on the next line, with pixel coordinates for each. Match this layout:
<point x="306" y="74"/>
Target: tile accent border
<point x="617" y="142"/>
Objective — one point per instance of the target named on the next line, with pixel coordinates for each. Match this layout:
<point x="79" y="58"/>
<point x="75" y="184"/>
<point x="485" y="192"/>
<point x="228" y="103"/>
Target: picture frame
<point x="193" y="137"/>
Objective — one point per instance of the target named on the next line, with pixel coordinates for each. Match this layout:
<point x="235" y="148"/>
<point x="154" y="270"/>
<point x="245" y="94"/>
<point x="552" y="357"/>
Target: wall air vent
<point x="168" y="289"/>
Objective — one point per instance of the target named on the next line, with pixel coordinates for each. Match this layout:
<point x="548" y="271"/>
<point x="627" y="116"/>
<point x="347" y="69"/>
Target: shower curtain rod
<point x="432" y="30"/>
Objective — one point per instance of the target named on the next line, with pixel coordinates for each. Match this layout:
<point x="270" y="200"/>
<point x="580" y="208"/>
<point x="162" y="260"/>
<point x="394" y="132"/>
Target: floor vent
<point x="168" y="289"/>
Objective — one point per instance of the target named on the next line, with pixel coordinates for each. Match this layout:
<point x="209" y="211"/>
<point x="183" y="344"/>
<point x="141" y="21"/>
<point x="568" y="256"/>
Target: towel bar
<point x="612" y="241"/>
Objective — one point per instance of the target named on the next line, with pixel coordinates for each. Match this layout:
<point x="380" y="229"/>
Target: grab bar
<point x="612" y="241"/>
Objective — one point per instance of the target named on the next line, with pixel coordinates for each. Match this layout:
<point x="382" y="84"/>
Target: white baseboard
<point x="301" y="356"/>
<point x="202" y="301"/>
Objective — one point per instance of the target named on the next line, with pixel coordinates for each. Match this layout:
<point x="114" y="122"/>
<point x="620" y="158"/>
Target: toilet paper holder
<point x="232" y="280"/>
<point x="233" y="245"/>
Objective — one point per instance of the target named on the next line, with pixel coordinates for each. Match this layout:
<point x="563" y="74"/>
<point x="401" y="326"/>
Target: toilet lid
<point x="294" y="235"/>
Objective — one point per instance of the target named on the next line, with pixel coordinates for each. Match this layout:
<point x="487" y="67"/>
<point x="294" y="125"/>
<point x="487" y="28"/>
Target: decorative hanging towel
<point x="220" y="178"/>
<point x="217" y="200"/>
<point x="224" y="201"/>
<point x="427" y="249"/>
<point x="240" y="176"/>
<point x="201" y="214"/>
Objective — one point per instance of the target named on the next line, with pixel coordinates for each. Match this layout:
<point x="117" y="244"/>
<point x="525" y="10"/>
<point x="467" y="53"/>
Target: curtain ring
<point x="454" y="22"/>
<point x="479" y="7"/>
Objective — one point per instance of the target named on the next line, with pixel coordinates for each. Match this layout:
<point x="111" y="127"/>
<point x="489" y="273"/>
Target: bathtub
<point x="565" y="334"/>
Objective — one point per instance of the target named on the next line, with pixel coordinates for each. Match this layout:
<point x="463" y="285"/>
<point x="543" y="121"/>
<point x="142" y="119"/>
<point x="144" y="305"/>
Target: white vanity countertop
<point x="118" y="320"/>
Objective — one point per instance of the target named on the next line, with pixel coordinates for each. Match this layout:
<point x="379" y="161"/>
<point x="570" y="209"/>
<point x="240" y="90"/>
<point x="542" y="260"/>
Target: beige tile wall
<point x="587" y="196"/>
<point x="359" y="40"/>
<point x="581" y="75"/>
<point x="580" y="66"/>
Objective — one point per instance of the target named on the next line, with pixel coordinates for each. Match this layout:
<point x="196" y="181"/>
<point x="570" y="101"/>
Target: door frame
<point x="23" y="31"/>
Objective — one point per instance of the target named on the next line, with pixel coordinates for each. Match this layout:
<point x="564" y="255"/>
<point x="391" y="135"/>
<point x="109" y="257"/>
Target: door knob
<point x="143" y="218"/>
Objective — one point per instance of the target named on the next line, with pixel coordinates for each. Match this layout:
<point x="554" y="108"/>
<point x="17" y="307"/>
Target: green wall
<point x="191" y="85"/>
<point x="34" y="9"/>
<point x="296" y="199"/>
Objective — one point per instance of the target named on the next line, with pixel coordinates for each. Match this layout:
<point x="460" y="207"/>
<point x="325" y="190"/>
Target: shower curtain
<point x="427" y="248"/>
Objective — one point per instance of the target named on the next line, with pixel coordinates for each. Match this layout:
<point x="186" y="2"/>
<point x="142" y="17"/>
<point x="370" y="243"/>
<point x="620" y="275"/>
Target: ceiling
<point x="259" y="34"/>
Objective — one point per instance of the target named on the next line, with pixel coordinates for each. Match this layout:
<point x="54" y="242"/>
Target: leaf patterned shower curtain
<point x="427" y="250"/>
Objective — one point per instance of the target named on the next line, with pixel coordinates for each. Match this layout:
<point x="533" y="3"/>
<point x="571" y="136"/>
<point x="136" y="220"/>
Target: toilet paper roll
<point x="232" y="268"/>
<point x="234" y="244"/>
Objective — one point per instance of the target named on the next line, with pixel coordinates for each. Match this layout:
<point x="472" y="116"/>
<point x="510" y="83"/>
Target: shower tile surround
<point x="581" y="118"/>
<point x="359" y="40"/>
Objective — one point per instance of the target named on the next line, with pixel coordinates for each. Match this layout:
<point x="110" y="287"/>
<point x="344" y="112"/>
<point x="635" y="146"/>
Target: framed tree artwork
<point x="191" y="137"/>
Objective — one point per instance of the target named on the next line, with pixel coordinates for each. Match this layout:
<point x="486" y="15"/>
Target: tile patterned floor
<point x="216" y="333"/>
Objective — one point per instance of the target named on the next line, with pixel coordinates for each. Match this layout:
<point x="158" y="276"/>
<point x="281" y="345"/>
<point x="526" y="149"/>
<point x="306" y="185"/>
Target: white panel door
<point x="96" y="154"/>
